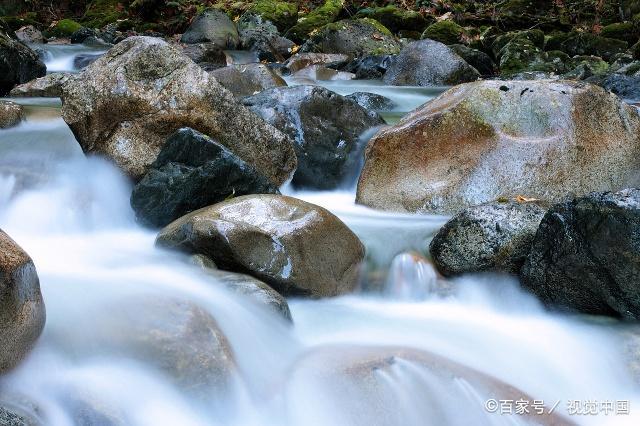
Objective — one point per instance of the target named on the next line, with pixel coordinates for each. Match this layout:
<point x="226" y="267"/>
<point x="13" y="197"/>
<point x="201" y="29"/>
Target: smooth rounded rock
<point x="212" y="26"/>
<point x="22" y="311"/>
<point x="247" y="79"/>
<point x="11" y="114"/>
<point x="295" y="247"/>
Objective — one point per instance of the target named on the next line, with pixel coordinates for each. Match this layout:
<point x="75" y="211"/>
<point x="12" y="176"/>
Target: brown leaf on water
<point x="523" y="199"/>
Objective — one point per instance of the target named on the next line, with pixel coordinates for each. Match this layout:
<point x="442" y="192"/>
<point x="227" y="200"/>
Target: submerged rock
<point x="295" y="247"/>
<point x="49" y="86"/>
<point x="22" y="311"/>
<point x="11" y="114"/>
<point x="18" y="64"/>
<point x="356" y="38"/>
<point x="489" y="237"/>
<point x="585" y="255"/>
<point x="126" y="104"/>
<point x="483" y="141"/>
<point x="212" y="26"/>
<point x="85" y="59"/>
<point x="325" y="126"/>
<point x="192" y="171"/>
<point x="428" y="63"/>
<point x="247" y="79"/>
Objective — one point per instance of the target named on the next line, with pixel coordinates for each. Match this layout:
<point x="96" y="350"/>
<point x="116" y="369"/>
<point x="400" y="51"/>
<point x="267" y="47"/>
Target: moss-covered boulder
<point x="625" y="31"/>
<point x="283" y="14"/>
<point x="357" y="38"/>
<point x="394" y="18"/>
<point x="325" y="14"/>
<point x="579" y="43"/>
<point x="64" y="28"/>
<point x="521" y="55"/>
<point x="447" y="32"/>
<point x="533" y="37"/>
<point x="587" y="66"/>
<point x="103" y="12"/>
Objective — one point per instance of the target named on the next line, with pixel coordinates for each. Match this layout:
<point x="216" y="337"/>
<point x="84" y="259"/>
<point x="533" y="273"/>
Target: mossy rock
<point x="394" y="18"/>
<point x="446" y="31"/>
<point x="283" y="14"/>
<point x="535" y="37"/>
<point x="64" y="28"/>
<point x="103" y="12"/>
<point x="356" y="38"/>
<point x="578" y="43"/>
<point x="318" y="18"/>
<point x="635" y="50"/>
<point x="522" y="55"/>
<point x="626" y="31"/>
<point x="594" y="65"/>
<point x="16" y="22"/>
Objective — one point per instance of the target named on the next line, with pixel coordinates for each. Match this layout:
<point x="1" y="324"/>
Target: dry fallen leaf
<point x="522" y="199"/>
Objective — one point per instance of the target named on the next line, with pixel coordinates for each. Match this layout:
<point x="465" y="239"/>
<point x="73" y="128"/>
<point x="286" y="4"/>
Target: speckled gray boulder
<point x="428" y="63"/>
<point x="489" y="237"/>
<point x="49" y="86"/>
<point x="11" y="114"/>
<point x="294" y="246"/>
<point x="247" y="79"/>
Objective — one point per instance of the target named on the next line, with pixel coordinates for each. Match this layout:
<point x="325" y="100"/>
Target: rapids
<point x="382" y="356"/>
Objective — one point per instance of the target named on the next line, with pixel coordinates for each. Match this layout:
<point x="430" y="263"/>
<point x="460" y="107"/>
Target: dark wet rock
<point x="303" y="60"/>
<point x="49" y="86"/>
<point x="29" y="34"/>
<point x="487" y="140"/>
<point x="325" y="126"/>
<point x="270" y="47"/>
<point x="82" y="34"/>
<point x="521" y="51"/>
<point x="476" y="58"/>
<point x="583" y="43"/>
<point x="395" y="18"/>
<point x="212" y="26"/>
<point x="295" y="247"/>
<point x="193" y="171"/>
<point x="428" y="63"/>
<point x="83" y="60"/>
<point x="368" y="67"/>
<point x="101" y="43"/>
<point x="356" y="38"/>
<point x="209" y="56"/>
<point x="11" y="114"/>
<point x="248" y="79"/>
<point x="115" y="109"/>
<point x="22" y="311"/>
<point x="445" y="31"/>
<point x="372" y="101"/>
<point x="627" y="87"/>
<point x="490" y="237"/>
<point x="18" y="64"/>
<point x="585" y="255"/>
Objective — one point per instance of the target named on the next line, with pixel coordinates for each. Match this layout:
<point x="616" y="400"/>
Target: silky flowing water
<point x="410" y="350"/>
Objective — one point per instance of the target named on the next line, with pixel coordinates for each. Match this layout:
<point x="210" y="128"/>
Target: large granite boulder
<point x="295" y="247"/>
<point x="126" y="104"/>
<point x="482" y="141"/>
<point x="22" y="311"/>
<point x="18" y="64"/>
<point x="586" y="257"/>
<point x="489" y="237"/>
<point x="247" y="79"/>
<point x="428" y="63"/>
<point x="325" y="126"/>
<point x="193" y="171"/>
<point x="212" y="26"/>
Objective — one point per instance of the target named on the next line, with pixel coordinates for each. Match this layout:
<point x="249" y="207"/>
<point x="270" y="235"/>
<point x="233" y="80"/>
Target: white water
<point x="72" y="215"/>
<point x="61" y="57"/>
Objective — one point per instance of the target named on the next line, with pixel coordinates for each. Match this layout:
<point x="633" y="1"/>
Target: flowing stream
<point x="411" y="350"/>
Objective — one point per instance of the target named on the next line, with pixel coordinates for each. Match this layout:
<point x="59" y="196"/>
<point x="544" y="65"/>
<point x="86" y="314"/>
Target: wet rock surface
<point x="18" y="64"/>
<point x="193" y="171"/>
<point x="11" y="114"/>
<point x="585" y="255"/>
<point x="115" y="109"/>
<point x="212" y="26"/>
<point x="49" y="86"/>
<point x="325" y="126"/>
<point x="22" y="311"/>
<point x="483" y="141"/>
<point x="489" y="237"/>
<point x="248" y="79"/>
<point x="295" y="247"/>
